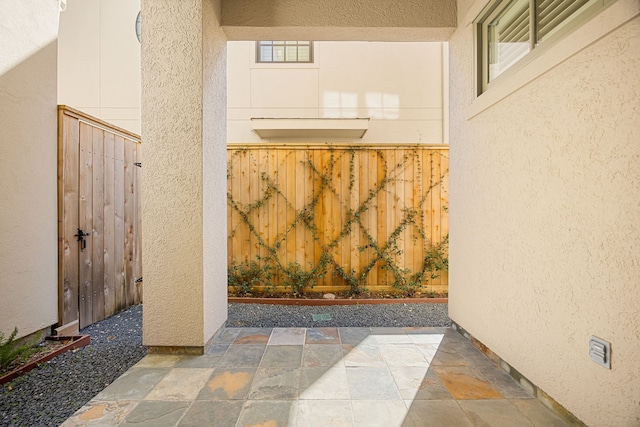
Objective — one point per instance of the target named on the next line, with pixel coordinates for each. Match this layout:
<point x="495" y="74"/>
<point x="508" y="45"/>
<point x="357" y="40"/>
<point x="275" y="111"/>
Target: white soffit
<point x="310" y="128"/>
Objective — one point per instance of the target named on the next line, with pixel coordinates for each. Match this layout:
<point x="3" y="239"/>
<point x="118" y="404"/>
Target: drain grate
<point x="320" y="317"/>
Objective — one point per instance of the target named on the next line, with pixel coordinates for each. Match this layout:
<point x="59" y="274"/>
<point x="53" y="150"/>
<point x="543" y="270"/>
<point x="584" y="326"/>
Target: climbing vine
<point x="268" y="263"/>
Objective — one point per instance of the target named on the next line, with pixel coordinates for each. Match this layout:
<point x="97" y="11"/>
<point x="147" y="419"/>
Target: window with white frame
<point x="284" y="51"/>
<point x="508" y="30"/>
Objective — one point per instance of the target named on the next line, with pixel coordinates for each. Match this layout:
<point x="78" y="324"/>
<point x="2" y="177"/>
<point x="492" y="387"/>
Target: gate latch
<point x="81" y="235"/>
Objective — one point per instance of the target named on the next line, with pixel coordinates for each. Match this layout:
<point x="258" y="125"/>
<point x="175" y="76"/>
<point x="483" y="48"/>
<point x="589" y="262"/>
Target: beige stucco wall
<point x="399" y="86"/>
<point x="372" y="20"/>
<point x="184" y="177"/>
<point x="544" y="213"/>
<point x="28" y="195"/>
<point x="99" y="60"/>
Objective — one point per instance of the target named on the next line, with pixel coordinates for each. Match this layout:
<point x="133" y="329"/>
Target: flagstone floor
<point x="410" y="377"/>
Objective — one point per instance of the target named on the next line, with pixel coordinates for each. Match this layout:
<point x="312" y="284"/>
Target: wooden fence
<point x="340" y="216"/>
<point x="100" y="265"/>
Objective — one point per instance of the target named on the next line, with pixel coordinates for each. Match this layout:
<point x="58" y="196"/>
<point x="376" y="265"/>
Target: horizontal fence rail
<point x="336" y="218"/>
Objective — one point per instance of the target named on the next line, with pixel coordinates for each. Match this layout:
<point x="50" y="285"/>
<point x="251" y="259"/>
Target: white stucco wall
<point x="399" y="86"/>
<point x="184" y="263"/>
<point x="544" y="213"/>
<point x="28" y="150"/>
<point x="214" y="164"/>
<point x="99" y="60"/>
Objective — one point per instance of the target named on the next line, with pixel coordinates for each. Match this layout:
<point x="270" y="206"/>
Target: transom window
<point x="507" y="30"/>
<point x="284" y="51"/>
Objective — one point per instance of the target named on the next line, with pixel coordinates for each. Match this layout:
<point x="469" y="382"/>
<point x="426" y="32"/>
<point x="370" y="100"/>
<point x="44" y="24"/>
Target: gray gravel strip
<point x="361" y="315"/>
<point x="50" y="394"/>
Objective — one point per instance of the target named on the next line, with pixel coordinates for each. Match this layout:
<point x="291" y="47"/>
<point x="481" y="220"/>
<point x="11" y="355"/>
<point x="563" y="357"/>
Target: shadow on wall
<point x="28" y="195"/>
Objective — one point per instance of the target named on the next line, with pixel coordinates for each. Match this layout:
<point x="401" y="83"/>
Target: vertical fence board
<point x="85" y="216"/>
<point x="382" y="219"/>
<point x="373" y="212"/>
<point x="244" y="171"/>
<point x="137" y="249"/>
<point x="299" y="172"/>
<point x="69" y="253"/>
<point x="354" y="203"/>
<point x="109" y="226"/>
<point x="129" y="200"/>
<point x="97" y="237"/>
<point x="419" y="164"/>
<point x="307" y="179"/>
<point x="291" y="203"/>
<point x="390" y="157"/>
<point x="343" y="257"/>
<point x="281" y="183"/>
<point x="253" y="184"/>
<point x="119" y="230"/>
<point x="272" y="216"/>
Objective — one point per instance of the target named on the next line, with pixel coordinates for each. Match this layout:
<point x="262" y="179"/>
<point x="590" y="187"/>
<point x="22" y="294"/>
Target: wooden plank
<point x="291" y="213"/>
<point x="354" y="204"/>
<point x="400" y="204"/>
<point x="119" y="229"/>
<point x="336" y="213"/>
<point x="229" y="208"/>
<point x="263" y="168"/>
<point x="325" y="206"/>
<point x="85" y="223"/>
<point x="272" y="214"/>
<point x="421" y="167"/>
<point x="300" y="230"/>
<point x="344" y="251"/>
<point x="254" y="196"/>
<point x="382" y="216"/>
<point x="68" y="330"/>
<point x="373" y="212"/>
<point x="129" y="220"/>
<point x="234" y="221"/>
<point x="444" y="212"/>
<point x="97" y="237"/>
<point x="109" y="225"/>
<point x="137" y="251"/>
<point x="244" y="200"/>
<point x="281" y="181"/>
<point x="432" y="205"/>
<point x="307" y="179"/>
<point x="364" y="187"/>
<point x="69" y="221"/>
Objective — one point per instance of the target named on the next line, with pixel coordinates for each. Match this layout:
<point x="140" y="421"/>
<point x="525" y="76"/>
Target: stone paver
<point x="409" y="377"/>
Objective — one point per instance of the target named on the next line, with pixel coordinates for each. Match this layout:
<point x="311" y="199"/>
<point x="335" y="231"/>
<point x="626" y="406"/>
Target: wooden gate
<point x="99" y="238"/>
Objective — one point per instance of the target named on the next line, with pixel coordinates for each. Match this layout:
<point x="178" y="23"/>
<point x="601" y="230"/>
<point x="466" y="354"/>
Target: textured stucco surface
<point x="396" y="20"/>
<point x="172" y="173"/>
<point x="28" y="195"/>
<point x="545" y="219"/>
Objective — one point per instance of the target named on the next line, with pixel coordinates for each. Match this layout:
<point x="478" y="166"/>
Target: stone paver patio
<point x="411" y="377"/>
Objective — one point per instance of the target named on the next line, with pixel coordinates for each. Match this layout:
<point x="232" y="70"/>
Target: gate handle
<point x="81" y="235"/>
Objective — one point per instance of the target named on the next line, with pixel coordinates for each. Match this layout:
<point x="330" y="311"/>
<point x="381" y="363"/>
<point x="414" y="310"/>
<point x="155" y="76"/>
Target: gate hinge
<point x="138" y="164"/>
<point x="139" y="280"/>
